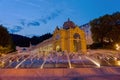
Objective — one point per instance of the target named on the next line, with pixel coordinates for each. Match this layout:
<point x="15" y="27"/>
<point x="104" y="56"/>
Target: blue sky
<point x="37" y="17"/>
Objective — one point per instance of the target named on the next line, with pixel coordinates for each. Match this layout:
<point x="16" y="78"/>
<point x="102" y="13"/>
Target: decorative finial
<point x="57" y="27"/>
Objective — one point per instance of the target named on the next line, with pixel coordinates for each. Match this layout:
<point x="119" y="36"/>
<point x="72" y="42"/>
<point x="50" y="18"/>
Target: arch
<point x="77" y="42"/>
<point x="72" y="40"/>
<point x="76" y="35"/>
<point x="58" y="48"/>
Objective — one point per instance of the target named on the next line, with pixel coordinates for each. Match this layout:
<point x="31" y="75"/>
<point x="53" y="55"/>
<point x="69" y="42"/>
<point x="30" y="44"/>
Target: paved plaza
<point x="105" y="73"/>
<point x="95" y="65"/>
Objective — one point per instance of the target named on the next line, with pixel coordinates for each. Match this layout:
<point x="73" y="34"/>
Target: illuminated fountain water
<point x="68" y="58"/>
<point x="59" y="60"/>
<point x="17" y="66"/>
<point x="94" y="61"/>
<point x="43" y="63"/>
<point x="53" y="59"/>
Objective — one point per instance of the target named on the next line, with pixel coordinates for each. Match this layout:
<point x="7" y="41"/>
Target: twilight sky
<point x="37" y="17"/>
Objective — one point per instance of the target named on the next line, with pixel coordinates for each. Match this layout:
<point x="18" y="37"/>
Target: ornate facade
<point x="69" y="38"/>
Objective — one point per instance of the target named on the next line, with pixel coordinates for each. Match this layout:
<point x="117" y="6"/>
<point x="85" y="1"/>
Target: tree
<point x="20" y="40"/>
<point x="6" y="44"/>
<point x="35" y="40"/>
<point x="106" y="29"/>
<point x="24" y="41"/>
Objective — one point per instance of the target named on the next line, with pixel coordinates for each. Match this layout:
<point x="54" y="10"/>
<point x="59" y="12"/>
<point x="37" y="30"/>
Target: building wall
<point x="45" y="46"/>
<point x="64" y="39"/>
<point x="86" y="28"/>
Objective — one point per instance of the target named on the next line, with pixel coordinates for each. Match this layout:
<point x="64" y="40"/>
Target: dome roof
<point x="68" y="24"/>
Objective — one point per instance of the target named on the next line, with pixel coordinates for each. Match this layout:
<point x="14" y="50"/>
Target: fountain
<point x="59" y="60"/>
<point x="68" y="58"/>
<point x="41" y="67"/>
<point x="94" y="61"/>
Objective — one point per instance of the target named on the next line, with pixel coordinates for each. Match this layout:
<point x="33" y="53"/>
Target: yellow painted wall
<point x="65" y="39"/>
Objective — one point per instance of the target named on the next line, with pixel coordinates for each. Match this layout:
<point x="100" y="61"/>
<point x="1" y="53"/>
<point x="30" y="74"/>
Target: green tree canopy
<point x="5" y="40"/>
<point x="106" y="28"/>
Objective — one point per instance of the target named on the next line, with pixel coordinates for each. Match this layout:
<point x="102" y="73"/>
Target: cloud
<point x="15" y="29"/>
<point x="27" y="23"/>
<point x="44" y="20"/>
<point x="22" y="22"/>
<point x="52" y="16"/>
<point x="29" y="3"/>
<point x="33" y="23"/>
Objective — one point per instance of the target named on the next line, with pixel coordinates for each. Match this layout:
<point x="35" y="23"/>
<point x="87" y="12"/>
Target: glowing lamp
<point x="117" y="47"/>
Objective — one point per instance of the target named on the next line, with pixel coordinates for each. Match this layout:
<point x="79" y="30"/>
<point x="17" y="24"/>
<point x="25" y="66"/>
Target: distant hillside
<point x="24" y="41"/>
<point x="37" y="39"/>
<point x="20" y="40"/>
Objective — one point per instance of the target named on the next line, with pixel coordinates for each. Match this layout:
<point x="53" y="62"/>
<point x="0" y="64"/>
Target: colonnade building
<point x="68" y="38"/>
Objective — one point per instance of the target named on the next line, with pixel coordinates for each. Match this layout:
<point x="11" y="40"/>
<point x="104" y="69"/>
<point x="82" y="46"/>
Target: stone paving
<point x="105" y="73"/>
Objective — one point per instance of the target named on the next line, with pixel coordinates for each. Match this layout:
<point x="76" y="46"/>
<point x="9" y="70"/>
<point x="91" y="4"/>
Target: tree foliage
<point x="6" y="44"/>
<point x="20" y="40"/>
<point x="35" y="40"/>
<point x="106" y="29"/>
<point x="24" y="41"/>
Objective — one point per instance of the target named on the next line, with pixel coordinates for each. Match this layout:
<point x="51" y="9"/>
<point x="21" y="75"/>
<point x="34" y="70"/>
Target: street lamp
<point x="117" y="47"/>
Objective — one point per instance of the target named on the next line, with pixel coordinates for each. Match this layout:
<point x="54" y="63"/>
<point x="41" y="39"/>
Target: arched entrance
<point x="77" y="42"/>
<point x="58" y="48"/>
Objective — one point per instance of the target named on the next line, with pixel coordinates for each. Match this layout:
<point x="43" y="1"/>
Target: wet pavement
<point x="104" y="73"/>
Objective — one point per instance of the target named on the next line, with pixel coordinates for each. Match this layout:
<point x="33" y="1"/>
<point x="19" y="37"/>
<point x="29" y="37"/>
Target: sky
<point x="37" y="17"/>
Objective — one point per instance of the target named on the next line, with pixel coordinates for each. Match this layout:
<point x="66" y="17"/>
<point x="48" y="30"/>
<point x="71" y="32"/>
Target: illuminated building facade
<point x="69" y="38"/>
